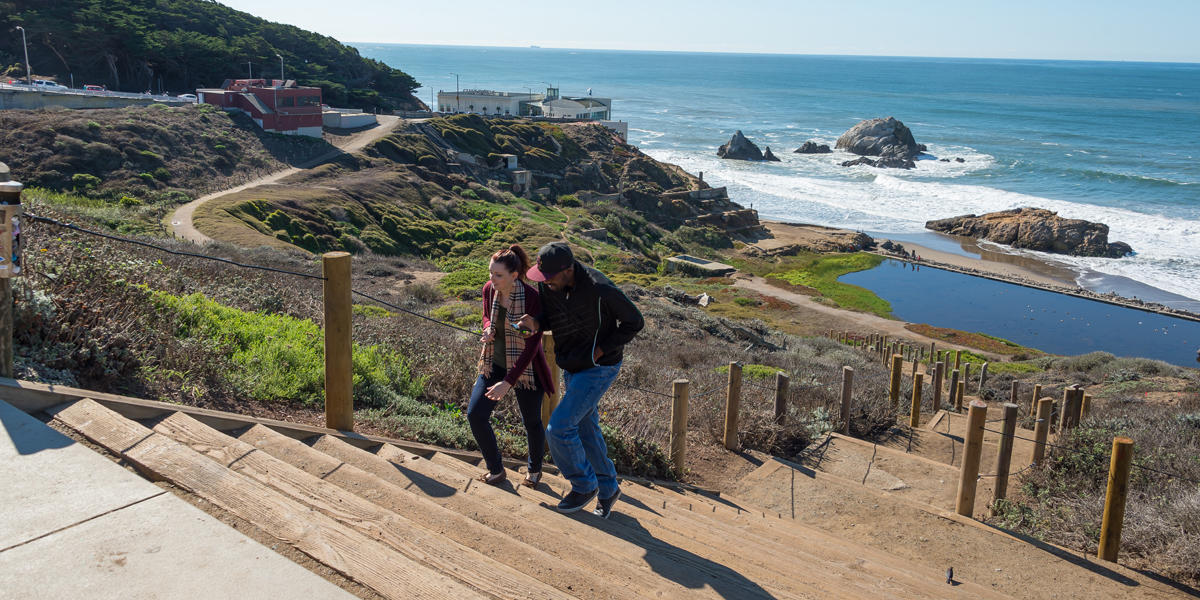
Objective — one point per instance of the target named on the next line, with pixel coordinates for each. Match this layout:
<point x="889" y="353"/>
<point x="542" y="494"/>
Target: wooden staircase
<point x="409" y="525"/>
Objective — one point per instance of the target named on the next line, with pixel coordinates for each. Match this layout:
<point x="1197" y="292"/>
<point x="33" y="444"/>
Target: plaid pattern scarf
<point x="514" y="344"/>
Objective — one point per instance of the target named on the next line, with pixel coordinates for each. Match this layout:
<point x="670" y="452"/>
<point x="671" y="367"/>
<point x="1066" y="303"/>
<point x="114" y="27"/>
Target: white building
<point x="550" y="104"/>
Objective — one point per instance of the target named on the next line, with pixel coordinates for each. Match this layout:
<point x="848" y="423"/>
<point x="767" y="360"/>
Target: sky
<point x="1133" y="30"/>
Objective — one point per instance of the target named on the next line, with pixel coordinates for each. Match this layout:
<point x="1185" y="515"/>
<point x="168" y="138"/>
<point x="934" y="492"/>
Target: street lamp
<point x="457" y="102"/>
<point x="28" y="76"/>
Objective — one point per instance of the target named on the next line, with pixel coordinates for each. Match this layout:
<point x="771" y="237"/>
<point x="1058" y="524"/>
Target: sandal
<point x="492" y="478"/>
<point x="532" y="479"/>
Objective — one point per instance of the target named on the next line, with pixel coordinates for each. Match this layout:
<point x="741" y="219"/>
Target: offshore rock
<point x="811" y="147"/>
<point x="740" y="148"/>
<point x="1035" y="229"/>
<point x="888" y="139"/>
<point x="768" y="156"/>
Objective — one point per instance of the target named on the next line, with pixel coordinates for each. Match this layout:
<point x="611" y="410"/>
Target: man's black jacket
<point x="593" y="314"/>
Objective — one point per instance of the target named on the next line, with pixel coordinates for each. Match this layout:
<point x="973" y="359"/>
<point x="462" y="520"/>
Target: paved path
<point x="74" y="524"/>
<point x="181" y="219"/>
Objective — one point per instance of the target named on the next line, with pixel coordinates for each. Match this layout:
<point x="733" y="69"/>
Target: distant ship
<point x="534" y="46"/>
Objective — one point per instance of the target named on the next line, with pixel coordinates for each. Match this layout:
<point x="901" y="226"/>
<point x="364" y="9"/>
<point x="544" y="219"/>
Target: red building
<point x="277" y="106"/>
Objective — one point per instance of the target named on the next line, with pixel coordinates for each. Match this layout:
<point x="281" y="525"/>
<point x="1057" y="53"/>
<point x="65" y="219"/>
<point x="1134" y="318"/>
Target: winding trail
<point x="180" y="221"/>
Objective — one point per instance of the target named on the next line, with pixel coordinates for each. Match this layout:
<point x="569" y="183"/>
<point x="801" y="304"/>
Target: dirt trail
<point x="181" y="220"/>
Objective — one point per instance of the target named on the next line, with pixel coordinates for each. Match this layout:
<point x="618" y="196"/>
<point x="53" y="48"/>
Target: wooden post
<point x="969" y="473"/>
<point x="955" y="401"/>
<point x="916" y="361"/>
<point x="894" y="388"/>
<point x="781" y="392"/>
<point x="1085" y="406"/>
<point x="914" y="415"/>
<point x="1114" y="499"/>
<point x="939" y="373"/>
<point x="966" y="374"/>
<point x="932" y="350"/>
<point x="679" y="410"/>
<point x="1041" y="429"/>
<point x="339" y="381"/>
<point x="982" y="378"/>
<point x="847" y="388"/>
<point x="10" y="198"/>
<point x="1037" y="394"/>
<point x="1072" y="401"/>
<point x="1012" y="396"/>
<point x="550" y="401"/>
<point x="1004" y="455"/>
<point x="733" y="402"/>
<point x="958" y="359"/>
<point x="960" y="394"/>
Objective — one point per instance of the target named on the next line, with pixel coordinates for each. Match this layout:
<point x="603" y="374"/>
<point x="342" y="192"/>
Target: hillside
<point x="180" y="45"/>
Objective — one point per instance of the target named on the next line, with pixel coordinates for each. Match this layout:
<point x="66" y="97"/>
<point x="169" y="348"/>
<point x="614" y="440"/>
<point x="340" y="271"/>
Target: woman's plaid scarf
<point x="514" y="344"/>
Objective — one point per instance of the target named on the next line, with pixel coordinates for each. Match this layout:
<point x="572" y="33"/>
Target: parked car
<point x="95" y="88"/>
<point x="188" y="97"/>
<point x="49" y="85"/>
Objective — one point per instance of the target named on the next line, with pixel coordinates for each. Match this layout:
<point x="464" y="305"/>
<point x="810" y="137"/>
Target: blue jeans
<point x="479" y="415"/>
<point x="576" y="443"/>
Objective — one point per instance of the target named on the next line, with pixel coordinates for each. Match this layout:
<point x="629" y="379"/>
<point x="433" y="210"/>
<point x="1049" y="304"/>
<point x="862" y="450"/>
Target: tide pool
<point x="1048" y="321"/>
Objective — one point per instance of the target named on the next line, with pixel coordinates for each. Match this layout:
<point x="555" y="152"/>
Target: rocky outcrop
<point x="811" y="147"/>
<point x="769" y="156"/>
<point x="888" y="139"/>
<point x="739" y="148"/>
<point x="1035" y="229"/>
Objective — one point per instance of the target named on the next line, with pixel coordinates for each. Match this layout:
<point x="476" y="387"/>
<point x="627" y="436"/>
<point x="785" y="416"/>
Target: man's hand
<point x="529" y="323"/>
<point x="596" y="354"/>
<point x="496" y="392"/>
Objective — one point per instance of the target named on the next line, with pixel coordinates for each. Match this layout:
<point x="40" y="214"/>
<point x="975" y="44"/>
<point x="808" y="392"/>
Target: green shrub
<point x="84" y="181"/>
<point x="569" y="200"/>
<point x="465" y="278"/>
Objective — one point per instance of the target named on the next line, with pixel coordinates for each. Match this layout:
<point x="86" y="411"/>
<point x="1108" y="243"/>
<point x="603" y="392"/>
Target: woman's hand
<point x="496" y="392"/>
<point x="489" y="334"/>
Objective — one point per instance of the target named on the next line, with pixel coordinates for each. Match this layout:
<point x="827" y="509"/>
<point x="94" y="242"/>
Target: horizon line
<point x="753" y="53"/>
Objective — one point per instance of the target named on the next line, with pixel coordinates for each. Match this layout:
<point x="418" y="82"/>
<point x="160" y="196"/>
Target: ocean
<point x="1117" y="143"/>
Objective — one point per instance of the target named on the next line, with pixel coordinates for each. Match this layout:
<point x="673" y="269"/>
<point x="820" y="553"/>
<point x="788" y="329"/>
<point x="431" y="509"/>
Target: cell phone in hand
<point x="517" y="327"/>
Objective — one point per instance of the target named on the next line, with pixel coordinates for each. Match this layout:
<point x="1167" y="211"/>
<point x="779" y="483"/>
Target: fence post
<point x="894" y="388"/>
<point x="939" y="373"/>
<point x="733" y="402"/>
<point x="1033" y="402"/>
<point x="1041" y="429"/>
<point x="914" y="416"/>
<point x="982" y="378"/>
<point x="960" y="394"/>
<point x="966" y="374"/>
<point x="339" y="382"/>
<point x="10" y="197"/>
<point x="1085" y="406"/>
<point x="958" y="359"/>
<point x="932" y="350"/>
<point x="1012" y="396"/>
<point x="550" y="401"/>
<point x="1004" y="455"/>
<point x="1070" y="412"/>
<point x="915" y="362"/>
<point x="679" y="409"/>
<point x="969" y="474"/>
<point x="955" y="401"/>
<point x="1114" y="498"/>
<point x="847" y="388"/>
<point x="781" y="392"/>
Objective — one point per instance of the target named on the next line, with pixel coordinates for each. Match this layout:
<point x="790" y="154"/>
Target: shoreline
<point x="1008" y="268"/>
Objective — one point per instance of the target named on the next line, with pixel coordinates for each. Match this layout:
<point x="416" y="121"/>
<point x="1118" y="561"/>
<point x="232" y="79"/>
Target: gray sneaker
<point x="575" y="501"/>
<point x="605" y="505"/>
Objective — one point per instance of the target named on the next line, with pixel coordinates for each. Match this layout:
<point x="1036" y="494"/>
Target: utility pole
<point x="250" y="69"/>
<point x="280" y="56"/>
<point x="28" y="75"/>
<point x="457" y="102"/>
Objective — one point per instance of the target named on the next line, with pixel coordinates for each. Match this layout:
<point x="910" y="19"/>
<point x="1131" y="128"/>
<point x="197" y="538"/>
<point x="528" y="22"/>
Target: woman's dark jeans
<point x="479" y="414"/>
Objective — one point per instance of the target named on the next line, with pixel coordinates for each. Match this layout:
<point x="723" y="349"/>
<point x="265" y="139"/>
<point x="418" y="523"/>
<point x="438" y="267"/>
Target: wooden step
<point x="436" y="552"/>
<point x="841" y="573"/>
<point x="500" y="509"/>
<point x="934" y="539"/>
<point x="786" y="543"/>
<point x="343" y="549"/>
<point x="569" y="578"/>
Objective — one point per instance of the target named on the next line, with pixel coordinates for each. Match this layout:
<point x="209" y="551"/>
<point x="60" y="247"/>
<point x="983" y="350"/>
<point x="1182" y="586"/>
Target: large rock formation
<point x="1035" y="229"/>
<point x="740" y="148"/>
<point x="769" y="156"/>
<point x="811" y="147"/>
<point x="886" y="138"/>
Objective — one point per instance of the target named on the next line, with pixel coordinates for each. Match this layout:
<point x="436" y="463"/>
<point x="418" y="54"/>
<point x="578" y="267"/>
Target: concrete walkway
<point x="74" y="524"/>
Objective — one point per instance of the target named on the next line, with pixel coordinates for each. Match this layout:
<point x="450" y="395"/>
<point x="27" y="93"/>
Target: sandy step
<point x="950" y="428"/>
<point x="768" y="534"/>
<point x="343" y="549"/>
<point x="502" y="510"/>
<point x="747" y="550"/>
<point x="915" y="532"/>
<point x="567" y="577"/>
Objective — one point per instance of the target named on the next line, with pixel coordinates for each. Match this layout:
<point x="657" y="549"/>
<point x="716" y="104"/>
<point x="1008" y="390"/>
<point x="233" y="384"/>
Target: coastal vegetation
<point x="181" y="45"/>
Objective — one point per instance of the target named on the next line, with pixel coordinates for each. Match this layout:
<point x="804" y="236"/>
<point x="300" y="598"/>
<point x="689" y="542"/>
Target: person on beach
<point x="592" y="320"/>
<point x="509" y="360"/>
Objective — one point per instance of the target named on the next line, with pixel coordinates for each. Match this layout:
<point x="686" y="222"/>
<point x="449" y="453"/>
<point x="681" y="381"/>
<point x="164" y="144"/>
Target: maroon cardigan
<point x="533" y="344"/>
